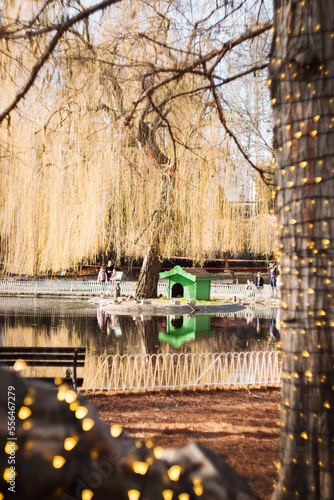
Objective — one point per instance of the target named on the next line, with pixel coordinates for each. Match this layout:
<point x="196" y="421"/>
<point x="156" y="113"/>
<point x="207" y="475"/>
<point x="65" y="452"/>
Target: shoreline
<point x="155" y="307"/>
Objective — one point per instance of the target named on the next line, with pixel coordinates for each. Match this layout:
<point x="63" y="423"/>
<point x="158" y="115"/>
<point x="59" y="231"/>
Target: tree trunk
<point x="302" y="84"/>
<point x="147" y="285"/>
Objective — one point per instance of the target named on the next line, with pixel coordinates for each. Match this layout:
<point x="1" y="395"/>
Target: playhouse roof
<point x="191" y="273"/>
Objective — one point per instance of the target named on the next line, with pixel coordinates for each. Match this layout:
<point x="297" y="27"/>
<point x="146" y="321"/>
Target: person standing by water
<point x="272" y="278"/>
<point x="109" y="269"/>
<point x="278" y="280"/>
<point x="259" y="282"/>
<point x="102" y="276"/>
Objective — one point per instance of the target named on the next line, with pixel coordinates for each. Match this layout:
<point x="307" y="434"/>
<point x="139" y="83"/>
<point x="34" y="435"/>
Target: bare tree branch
<point x="61" y="29"/>
<point x="202" y="60"/>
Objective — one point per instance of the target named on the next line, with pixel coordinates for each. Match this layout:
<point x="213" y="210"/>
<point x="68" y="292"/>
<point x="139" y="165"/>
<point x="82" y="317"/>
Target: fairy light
<point x="184" y="496"/>
<point x="24" y="412"/>
<point x="140" y="467"/>
<point x="115" y="430"/>
<point x="198" y="487"/>
<point x="19" y="365"/>
<point x="9" y="474"/>
<point x="167" y="494"/>
<point x="58" y="461"/>
<point x="174" y="472"/>
<point x="87" y="494"/>
<point x="27" y="424"/>
<point x="70" y="442"/>
<point x="158" y="450"/>
<point x="133" y="494"/>
<point x="81" y="412"/>
<point x="11" y="447"/>
<point x="28" y="400"/>
<point x="87" y="424"/>
<point x="70" y="396"/>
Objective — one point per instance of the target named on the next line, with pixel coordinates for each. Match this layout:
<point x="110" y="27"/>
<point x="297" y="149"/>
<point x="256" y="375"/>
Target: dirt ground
<point x="239" y="425"/>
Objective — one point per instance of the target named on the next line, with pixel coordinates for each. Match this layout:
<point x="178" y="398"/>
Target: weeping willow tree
<point x="75" y="182"/>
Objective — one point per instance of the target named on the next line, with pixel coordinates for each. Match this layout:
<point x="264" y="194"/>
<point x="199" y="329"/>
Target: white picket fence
<point x="74" y="287"/>
<point x="178" y="371"/>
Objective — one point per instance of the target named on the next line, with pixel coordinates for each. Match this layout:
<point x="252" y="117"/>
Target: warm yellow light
<point x="327" y="405"/>
<point x="184" y="496"/>
<point x="310" y="291"/>
<point x="290" y="184"/>
<point x="158" y="450"/>
<point x="70" y="396"/>
<point x="27" y="424"/>
<point x="308" y="374"/>
<point x="58" y="462"/>
<point x="133" y="494"/>
<point x="24" y="412"/>
<point x="325" y="241"/>
<point x="322" y="312"/>
<point x="327" y="281"/>
<point x="306" y="354"/>
<point x="317" y="179"/>
<point x="174" y="472"/>
<point x="269" y="82"/>
<point x="28" y="400"/>
<point x="19" y="365"/>
<point x="87" y="494"/>
<point x="61" y="394"/>
<point x="293" y="221"/>
<point x="298" y="134"/>
<point x="81" y="412"/>
<point x="11" y="447"/>
<point x="282" y="74"/>
<point x="9" y="474"/>
<point x="304" y="435"/>
<point x="87" y="424"/>
<point x="313" y="133"/>
<point x="303" y="164"/>
<point x="167" y="494"/>
<point x="115" y="430"/>
<point x="140" y="467"/>
<point x="74" y="406"/>
<point x="273" y="101"/>
<point x="70" y="442"/>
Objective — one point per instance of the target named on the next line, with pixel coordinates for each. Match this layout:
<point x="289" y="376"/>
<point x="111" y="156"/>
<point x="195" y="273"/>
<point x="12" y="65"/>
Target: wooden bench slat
<point x="68" y="357"/>
<point x="11" y="362"/>
<point x="42" y="349"/>
<point x="41" y="356"/>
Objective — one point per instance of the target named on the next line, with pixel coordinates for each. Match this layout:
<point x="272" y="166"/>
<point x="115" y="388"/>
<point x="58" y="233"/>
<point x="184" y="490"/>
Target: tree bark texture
<point x="147" y="284"/>
<point x="302" y="85"/>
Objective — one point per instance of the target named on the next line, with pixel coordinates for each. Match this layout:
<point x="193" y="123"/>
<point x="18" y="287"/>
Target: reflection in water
<point x="60" y="322"/>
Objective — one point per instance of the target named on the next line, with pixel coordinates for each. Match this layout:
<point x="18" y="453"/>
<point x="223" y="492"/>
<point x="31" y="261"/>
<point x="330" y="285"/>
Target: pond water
<point x="75" y="322"/>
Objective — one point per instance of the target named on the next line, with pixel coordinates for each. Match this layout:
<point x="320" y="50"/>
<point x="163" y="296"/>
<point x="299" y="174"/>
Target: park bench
<point x="70" y="358"/>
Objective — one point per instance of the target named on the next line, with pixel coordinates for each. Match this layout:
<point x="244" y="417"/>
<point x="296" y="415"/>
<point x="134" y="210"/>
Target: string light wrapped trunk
<point x="302" y="85"/>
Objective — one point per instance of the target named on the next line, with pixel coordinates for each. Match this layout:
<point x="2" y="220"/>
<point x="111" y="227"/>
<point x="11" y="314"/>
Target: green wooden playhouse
<point x="191" y="283"/>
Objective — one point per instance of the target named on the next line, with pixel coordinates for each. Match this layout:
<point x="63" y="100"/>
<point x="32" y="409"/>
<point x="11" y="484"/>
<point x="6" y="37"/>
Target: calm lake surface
<point x="75" y="322"/>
